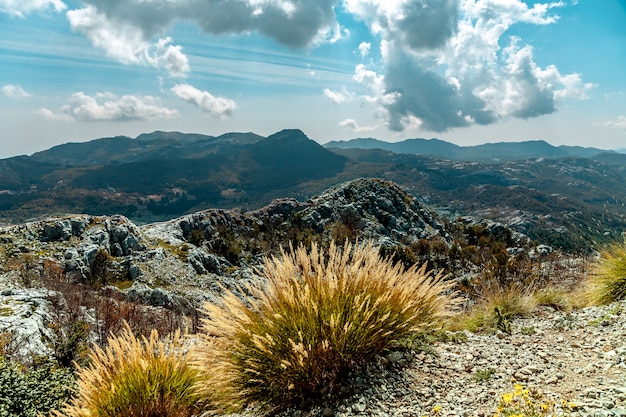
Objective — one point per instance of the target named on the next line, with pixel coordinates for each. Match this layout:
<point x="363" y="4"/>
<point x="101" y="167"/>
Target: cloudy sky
<point x="467" y="71"/>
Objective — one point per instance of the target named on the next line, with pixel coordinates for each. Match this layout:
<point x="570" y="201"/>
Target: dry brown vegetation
<point x="315" y="316"/>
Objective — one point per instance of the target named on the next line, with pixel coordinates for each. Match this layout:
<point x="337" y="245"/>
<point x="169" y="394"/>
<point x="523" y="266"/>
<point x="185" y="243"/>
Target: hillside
<point x="96" y="271"/>
<point x="486" y="153"/>
<point x="569" y="197"/>
<point x="176" y="265"/>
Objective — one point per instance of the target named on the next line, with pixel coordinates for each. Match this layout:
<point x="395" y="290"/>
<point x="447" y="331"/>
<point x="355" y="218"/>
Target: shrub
<point x="100" y="267"/>
<point x="607" y="278"/>
<point x="555" y="298"/>
<point x="136" y="377"/>
<point x="315" y="317"/>
<point x="29" y="392"/>
<point x="496" y="306"/>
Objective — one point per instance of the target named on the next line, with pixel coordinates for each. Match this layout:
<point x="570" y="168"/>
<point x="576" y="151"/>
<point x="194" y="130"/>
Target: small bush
<point x="314" y="318"/>
<point x="31" y="391"/>
<point x="496" y="307"/>
<point x="555" y="298"/>
<point x="136" y="377"/>
<point x="607" y="278"/>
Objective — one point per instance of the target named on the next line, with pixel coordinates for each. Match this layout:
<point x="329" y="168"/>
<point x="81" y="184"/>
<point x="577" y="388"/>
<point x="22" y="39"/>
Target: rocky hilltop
<point x="63" y="271"/>
<point x="176" y="265"/>
<point x="571" y="198"/>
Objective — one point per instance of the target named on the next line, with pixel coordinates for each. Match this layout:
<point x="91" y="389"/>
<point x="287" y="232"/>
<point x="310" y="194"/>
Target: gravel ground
<point x="578" y="356"/>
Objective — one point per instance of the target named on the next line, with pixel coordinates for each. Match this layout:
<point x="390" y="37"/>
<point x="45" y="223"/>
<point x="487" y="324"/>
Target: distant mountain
<point x="490" y="152"/>
<point x="570" y="197"/>
<point x="288" y="157"/>
<point x="149" y="146"/>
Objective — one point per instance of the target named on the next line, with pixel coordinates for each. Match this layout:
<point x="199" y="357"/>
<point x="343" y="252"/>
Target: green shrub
<point x="313" y="318"/>
<point x="29" y="392"/>
<point x="607" y="278"/>
<point x="136" y="377"/>
<point x="496" y="307"/>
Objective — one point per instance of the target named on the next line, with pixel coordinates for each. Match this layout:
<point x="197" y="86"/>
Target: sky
<point x="465" y="71"/>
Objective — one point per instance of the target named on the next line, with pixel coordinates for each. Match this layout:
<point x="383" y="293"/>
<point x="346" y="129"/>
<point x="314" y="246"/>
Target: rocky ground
<point x="578" y="356"/>
<point x="176" y="265"/>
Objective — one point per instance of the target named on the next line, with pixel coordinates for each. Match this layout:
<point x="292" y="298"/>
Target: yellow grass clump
<point x="496" y="306"/>
<point x="607" y="278"/>
<point x="136" y="377"/>
<point x="314" y="317"/>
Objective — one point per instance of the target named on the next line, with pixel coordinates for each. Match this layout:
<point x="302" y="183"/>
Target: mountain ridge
<point x="571" y="201"/>
<point x="487" y="152"/>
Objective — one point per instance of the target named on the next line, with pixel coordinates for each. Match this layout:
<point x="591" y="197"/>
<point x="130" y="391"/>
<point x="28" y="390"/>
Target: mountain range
<point x="570" y="197"/>
<point x="486" y="153"/>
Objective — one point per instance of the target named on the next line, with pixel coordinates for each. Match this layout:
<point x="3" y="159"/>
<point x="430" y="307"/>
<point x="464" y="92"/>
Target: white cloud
<point x="20" y="8"/>
<point x="364" y="49"/>
<point x="215" y="106"/>
<point x="417" y="24"/>
<point x="620" y="123"/>
<point x="14" y="91"/>
<point x="353" y="126"/>
<point x="127" y="43"/>
<point x="295" y="23"/>
<point x="338" y="97"/>
<point x="108" y="106"/>
<point x="50" y="115"/>
<point x="446" y="63"/>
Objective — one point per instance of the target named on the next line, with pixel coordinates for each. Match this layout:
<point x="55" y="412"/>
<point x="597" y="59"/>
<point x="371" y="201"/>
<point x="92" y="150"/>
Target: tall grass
<point x="136" y="377"/>
<point x="314" y="316"/>
<point x="496" y="306"/>
<point x="607" y="277"/>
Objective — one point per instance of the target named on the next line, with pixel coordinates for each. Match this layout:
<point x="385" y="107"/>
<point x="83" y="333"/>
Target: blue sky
<point x="466" y="71"/>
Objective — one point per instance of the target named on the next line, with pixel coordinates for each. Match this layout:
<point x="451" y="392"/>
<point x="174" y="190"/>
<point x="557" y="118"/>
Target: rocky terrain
<point x="171" y="268"/>
<point x="179" y="264"/>
<point x="578" y="356"/>
<point x="571" y="198"/>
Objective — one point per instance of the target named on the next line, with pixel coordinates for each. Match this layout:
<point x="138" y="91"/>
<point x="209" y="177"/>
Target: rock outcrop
<point x="182" y="263"/>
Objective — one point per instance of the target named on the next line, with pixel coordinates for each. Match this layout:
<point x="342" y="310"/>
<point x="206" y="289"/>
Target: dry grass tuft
<point x="556" y="298"/>
<point x="496" y="306"/>
<point x="314" y="317"/>
<point x="136" y="377"/>
<point x="607" y="277"/>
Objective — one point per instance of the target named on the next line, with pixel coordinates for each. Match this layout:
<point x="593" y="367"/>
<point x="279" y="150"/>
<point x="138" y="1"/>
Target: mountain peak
<point x="288" y="135"/>
<point x="173" y="136"/>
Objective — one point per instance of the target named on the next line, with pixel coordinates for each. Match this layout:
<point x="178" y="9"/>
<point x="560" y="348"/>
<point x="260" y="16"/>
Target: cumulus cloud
<point x="108" y="106"/>
<point x="295" y="23"/>
<point x="620" y="123"/>
<point x="446" y="64"/>
<point x="14" y="91"/>
<point x="353" y="126"/>
<point x="417" y="24"/>
<point x="48" y="114"/>
<point x="20" y="8"/>
<point x="215" y="106"/>
<point x="338" y="97"/>
<point x="127" y="43"/>
<point x="364" y="49"/>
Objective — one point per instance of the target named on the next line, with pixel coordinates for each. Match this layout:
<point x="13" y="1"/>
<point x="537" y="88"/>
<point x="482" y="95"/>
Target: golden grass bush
<point x="136" y="377"/>
<point x="556" y="298"/>
<point x="496" y="306"/>
<point x="313" y="317"/>
<point x="607" y="278"/>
